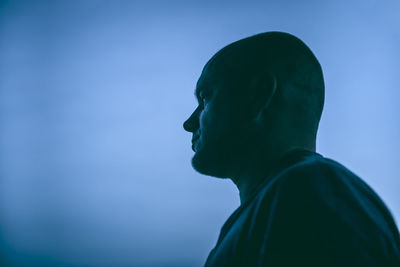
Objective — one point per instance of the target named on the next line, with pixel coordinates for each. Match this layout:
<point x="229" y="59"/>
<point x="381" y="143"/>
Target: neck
<point x="250" y="175"/>
<point x="258" y="169"/>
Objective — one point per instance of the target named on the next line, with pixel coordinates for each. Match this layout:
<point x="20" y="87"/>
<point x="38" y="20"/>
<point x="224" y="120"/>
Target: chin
<point x="209" y="164"/>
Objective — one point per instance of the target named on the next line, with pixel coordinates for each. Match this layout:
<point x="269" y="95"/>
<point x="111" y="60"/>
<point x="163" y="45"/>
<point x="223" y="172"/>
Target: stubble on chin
<point x="211" y="162"/>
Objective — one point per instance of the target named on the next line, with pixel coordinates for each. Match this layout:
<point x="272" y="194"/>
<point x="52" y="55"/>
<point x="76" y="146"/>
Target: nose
<point x="192" y="123"/>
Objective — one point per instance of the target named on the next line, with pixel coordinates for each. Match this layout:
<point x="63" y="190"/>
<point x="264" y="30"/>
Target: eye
<point x="203" y="97"/>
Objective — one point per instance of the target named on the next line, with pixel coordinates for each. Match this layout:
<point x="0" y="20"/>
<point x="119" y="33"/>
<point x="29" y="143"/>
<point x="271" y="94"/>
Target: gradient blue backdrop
<point x="95" y="165"/>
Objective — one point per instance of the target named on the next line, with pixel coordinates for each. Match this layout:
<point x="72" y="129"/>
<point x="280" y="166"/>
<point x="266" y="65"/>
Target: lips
<point x="195" y="137"/>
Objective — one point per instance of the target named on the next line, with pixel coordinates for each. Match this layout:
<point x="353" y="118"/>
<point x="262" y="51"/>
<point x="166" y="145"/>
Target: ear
<point x="263" y="88"/>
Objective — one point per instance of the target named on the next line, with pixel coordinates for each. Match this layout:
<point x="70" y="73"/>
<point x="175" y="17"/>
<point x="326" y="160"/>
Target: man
<point x="260" y="102"/>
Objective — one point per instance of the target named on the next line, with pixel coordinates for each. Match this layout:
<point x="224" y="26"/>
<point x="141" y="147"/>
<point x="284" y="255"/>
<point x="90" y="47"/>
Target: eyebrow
<point x="199" y="88"/>
<point x="197" y="92"/>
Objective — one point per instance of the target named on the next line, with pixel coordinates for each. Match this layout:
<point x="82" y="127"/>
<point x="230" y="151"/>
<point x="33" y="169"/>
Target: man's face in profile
<point x="214" y="123"/>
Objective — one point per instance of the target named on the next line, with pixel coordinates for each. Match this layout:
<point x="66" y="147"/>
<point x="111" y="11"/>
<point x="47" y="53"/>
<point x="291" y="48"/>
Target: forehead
<point x="217" y="75"/>
<point x="206" y="81"/>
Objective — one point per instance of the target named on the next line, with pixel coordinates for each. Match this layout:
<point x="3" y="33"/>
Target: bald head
<point x="270" y="59"/>
<point x="265" y="91"/>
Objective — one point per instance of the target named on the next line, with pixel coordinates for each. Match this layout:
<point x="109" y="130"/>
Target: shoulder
<point x="322" y="183"/>
<point x="320" y="177"/>
<point x="320" y="192"/>
<point x="321" y="206"/>
<point x="314" y="181"/>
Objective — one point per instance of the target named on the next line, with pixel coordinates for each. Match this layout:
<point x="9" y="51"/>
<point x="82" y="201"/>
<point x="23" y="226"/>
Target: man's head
<point x="258" y="96"/>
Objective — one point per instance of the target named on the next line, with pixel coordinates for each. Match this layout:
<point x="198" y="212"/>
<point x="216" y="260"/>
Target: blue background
<point x="95" y="165"/>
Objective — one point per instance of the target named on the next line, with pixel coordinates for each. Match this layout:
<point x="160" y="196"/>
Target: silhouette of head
<point x="259" y="96"/>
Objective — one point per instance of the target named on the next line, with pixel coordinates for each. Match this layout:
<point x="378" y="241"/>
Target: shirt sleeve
<point x="314" y="221"/>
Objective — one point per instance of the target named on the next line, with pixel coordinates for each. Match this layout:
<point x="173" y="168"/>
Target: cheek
<point x="214" y="123"/>
<point x="205" y="118"/>
<point x="207" y="123"/>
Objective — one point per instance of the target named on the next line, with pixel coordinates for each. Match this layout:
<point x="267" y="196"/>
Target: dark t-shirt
<point x="311" y="211"/>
